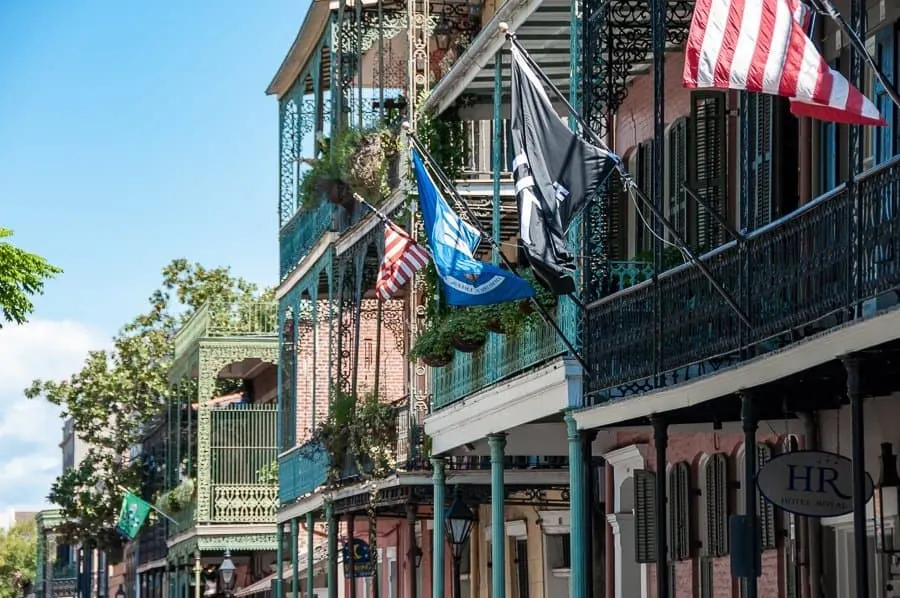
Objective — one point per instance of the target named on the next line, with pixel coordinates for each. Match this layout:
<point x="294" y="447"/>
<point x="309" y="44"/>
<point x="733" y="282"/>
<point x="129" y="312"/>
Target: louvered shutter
<point x="644" y="516"/>
<point x="883" y="137"/>
<point x="709" y="150"/>
<point x="707" y="578"/>
<point x="716" y="478"/>
<point x="761" y="112"/>
<point x="679" y="206"/>
<point x="679" y="514"/>
<point x="766" y="510"/>
<point x="617" y="214"/>
<point x="644" y="180"/>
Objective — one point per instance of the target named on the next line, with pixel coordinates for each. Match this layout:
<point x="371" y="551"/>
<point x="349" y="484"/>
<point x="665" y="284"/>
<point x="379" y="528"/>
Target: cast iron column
<point x="857" y="444"/>
<point x="295" y="556"/>
<point x="197" y="569"/>
<point x="661" y="443"/>
<point x="411" y="554"/>
<point x="310" y="555"/>
<point x="279" y="558"/>
<point x="440" y="534"/>
<point x="332" y="550"/>
<point x="497" y="443"/>
<point x="749" y="421"/>
<point x="577" y="505"/>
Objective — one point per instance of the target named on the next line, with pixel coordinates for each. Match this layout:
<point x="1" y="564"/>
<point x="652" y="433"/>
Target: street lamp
<point x="226" y="573"/>
<point x="442" y="33"/>
<point x="460" y="520"/>
<point x="120" y="593"/>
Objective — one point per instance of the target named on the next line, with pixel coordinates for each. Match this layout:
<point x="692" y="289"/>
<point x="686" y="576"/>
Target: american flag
<point x="762" y="46"/>
<point x="403" y="257"/>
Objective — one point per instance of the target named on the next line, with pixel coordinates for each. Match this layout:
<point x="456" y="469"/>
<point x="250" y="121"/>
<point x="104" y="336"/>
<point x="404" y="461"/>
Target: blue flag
<point x="467" y="281"/>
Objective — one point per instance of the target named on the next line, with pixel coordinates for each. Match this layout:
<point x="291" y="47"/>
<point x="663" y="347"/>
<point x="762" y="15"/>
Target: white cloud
<point x="31" y="430"/>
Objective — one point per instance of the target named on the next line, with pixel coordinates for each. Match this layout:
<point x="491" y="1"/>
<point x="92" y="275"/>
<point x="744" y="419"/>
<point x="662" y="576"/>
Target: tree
<point x="22" y="275"/>
<point x="18" y="552"/>
<point x="118" y="391"/>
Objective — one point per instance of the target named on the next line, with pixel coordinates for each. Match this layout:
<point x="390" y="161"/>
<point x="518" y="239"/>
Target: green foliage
<point x="466" y="325"/>
<point x="356" y="161"/>
<point x="432" y="342"/>
<point x="444" y="137"/>
<point x="119" y="390"/>
<point x="22" y="275"/>
<point x="178" y="498"/>
<point x="18" y="553"/>
<point x="268" y="474"/>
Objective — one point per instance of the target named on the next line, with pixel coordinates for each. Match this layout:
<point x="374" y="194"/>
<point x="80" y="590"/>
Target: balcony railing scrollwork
<point x="807" y="272"/>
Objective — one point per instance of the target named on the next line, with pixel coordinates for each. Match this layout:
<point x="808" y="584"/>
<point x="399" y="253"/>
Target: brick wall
<point x="690" y="448"/>
<point x="390" y="359"/>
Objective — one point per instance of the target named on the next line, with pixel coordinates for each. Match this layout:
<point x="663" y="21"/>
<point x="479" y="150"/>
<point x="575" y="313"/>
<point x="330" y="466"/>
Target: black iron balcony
<point x="835" y="259"/>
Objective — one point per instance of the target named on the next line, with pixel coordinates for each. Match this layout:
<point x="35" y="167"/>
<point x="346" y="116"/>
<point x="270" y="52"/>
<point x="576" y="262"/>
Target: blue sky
<point x="131" y="133"/>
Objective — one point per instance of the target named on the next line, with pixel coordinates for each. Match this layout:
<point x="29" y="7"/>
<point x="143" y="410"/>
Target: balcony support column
<point x="351" y="536"/>
<point x="413" y="551"/>
<point x="295" y="557"/>
<point x="858" y="454"/>
<point x="497" y="443"/>
<point x="197" y="570"/>
<point x="580" y="532"/>
<point x="332" y="550"/>
<point x="750" y="423"/>
<point x="496" y="157"/>
<point x="279" y="560"/>
<point x="661" y="444"/>
<point x="437" y="551"/>
<point x="310" y="555"/>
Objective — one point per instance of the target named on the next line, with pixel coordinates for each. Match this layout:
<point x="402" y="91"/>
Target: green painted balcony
<point x="236" y="473"/>
<point x="302" y="470"/>
<point x="218" y="320"/>
<point x="300" y="233"/>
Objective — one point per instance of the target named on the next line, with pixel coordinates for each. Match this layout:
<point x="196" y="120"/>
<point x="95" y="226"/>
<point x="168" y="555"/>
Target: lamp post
<point x="226" y="573"/>
<point x="460" y="520"/>
<point x="120" y="593"/>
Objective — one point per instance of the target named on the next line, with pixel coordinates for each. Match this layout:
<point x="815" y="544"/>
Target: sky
<point x="131" y="133"/>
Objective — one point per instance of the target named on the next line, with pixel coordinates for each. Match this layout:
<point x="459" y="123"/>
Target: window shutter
<point x="883" y="137"/>
<point x="716" y="475"/>
<point x="644" y="516"/>
<point x="766" y="509"/>
<point x="761" y="112"/>
<point x="644" y="180"/>
<point x="679" y="206"/>
<point x="679" y="514"/>
<point x="709" y="151"/>
<point x="617" y="214"/>
<point x="707" y="576"/>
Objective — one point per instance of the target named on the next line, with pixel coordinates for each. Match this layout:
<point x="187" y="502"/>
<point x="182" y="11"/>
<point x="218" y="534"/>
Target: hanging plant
<point x="433" y="347"/>
<point x="178" y="498"/>
<point x="466" y="328"/>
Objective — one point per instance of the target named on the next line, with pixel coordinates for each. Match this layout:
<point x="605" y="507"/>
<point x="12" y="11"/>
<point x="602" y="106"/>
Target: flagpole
<point x="828" y="8"/>
<point x="629" y="181"/>
<point x="448" y="185"/>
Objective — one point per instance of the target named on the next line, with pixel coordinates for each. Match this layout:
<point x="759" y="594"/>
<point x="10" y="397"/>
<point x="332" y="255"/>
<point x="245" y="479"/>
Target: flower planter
<point x="438" y="360"/>
<point x="495" y="325"/>
<point x="337" y="192"/>
<point x="465" y="345"/>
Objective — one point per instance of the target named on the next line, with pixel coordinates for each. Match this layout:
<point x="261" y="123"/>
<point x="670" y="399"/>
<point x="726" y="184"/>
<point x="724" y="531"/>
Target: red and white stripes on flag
<point x="403" y="257"/>
<point x="762" y="46"/>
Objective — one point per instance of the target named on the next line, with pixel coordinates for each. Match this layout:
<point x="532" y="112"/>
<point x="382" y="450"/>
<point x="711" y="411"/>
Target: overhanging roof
<point x="302" y="49"/>
<point x="542" y="27"/>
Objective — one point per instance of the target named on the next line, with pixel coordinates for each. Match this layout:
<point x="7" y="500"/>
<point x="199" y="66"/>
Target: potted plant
<point x="542" y="293"/>
<point x="467" y="329"/>
<point x="433" y="347"/>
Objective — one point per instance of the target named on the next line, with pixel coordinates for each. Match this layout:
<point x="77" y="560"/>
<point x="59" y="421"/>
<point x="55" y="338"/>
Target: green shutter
<point x="761" y="112"/>
<point x="715" y="493"/>
<point x="679" y="206"/>
<point x="766" y="512"/>
<point x="644" y="180"/>
<point x="709" y="152"/>
<point x="644" y="516"/>
<point x="678" y="496"/>
<point x="617" y="213"/>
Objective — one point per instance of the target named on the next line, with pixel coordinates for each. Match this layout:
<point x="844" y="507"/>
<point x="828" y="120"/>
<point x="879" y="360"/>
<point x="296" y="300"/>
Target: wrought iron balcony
<point x="152" y="542"/>
<point x="302" y="470"/>
<point x="239" y="485"/>
<point x="301" y="232"/>
<point x="836" y="257"/>
<point x="65" y="571"/>
<point x="216" y="319"/>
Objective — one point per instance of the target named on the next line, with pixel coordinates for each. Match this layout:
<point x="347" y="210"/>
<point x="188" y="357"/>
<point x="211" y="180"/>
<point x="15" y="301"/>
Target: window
<point x="678" y="496"/>
<point x="521" y="562"/>
<point x="884" y="138"/>
<point x="643" y="174"/>
<point x="709" y="153"/>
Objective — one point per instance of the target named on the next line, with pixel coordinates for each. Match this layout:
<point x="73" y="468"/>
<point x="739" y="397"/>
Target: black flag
<point x="557" y="174"/>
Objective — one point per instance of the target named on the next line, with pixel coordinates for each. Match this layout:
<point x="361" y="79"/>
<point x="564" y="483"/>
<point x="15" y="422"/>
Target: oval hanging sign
<point x="810" y="483"/>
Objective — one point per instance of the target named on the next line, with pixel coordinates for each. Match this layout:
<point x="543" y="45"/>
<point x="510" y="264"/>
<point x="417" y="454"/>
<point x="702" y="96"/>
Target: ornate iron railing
<point x="243" y="452"/>
<point x="184" y="519"/>
<point x="152" y="542"/>
<point x="302" y="470"/>
<point x="816" y="268"/>
<point x="301" y="232"/>
<point x="217" y="319"/>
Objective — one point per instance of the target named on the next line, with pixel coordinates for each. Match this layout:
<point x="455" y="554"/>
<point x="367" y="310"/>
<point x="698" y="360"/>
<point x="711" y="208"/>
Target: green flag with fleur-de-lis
<point x="132" y="515"/>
